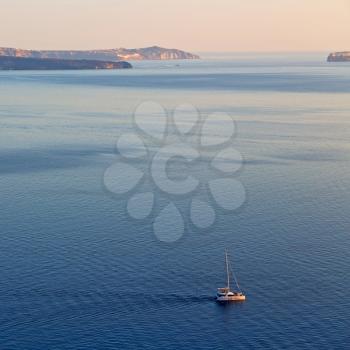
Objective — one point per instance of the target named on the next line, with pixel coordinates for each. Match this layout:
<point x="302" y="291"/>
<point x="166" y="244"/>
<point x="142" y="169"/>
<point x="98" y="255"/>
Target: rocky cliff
<point x="339" y="57"/>
<point x="148" y="53"/>
<point x="25" y="63"/>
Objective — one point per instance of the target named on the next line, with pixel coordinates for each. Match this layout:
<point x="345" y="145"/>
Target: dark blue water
<point x="78" y="273"/>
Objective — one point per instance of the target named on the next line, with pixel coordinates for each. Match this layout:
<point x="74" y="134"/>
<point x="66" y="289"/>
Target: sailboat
<point x="226" y="294"/>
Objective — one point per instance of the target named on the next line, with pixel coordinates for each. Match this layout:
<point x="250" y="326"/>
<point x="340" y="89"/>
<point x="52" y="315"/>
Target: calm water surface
<point x="78" y="273"/>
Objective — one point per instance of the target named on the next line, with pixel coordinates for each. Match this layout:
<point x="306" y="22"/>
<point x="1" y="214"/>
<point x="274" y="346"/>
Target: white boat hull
<point x="226" y="298"/>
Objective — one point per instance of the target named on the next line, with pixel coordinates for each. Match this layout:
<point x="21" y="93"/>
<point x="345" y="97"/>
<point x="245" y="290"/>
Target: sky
<point x="192" y="25"/>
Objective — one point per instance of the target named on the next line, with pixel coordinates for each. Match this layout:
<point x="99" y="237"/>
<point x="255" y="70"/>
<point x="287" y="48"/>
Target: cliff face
<point x="25" y="63"/>
<point x="339" y="57"/>
<point x="148" y="53"/>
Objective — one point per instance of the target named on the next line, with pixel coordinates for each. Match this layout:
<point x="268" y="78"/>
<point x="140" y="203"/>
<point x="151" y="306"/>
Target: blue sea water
<point x="78" y="273"/>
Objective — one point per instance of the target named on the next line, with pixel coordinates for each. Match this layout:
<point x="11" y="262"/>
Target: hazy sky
<point x="194" y="25"/>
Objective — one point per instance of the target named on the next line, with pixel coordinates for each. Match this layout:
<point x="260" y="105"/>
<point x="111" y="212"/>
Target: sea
<point x="80" y="270"/>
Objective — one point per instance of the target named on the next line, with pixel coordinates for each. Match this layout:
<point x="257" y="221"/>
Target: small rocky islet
<point x="343" y="56"/>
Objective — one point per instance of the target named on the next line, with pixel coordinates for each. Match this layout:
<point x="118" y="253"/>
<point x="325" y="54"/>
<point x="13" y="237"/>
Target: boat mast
<point x="227" y="270"/>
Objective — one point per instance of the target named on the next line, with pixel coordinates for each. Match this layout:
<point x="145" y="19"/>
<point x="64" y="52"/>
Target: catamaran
<point x="226" y="294"/>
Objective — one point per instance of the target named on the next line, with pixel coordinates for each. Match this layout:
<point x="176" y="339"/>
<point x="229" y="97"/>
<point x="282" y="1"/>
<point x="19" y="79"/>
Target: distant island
<point x="339" y="57"/>
<point x="28" y="63"/>
<point x="148" y="53"/>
